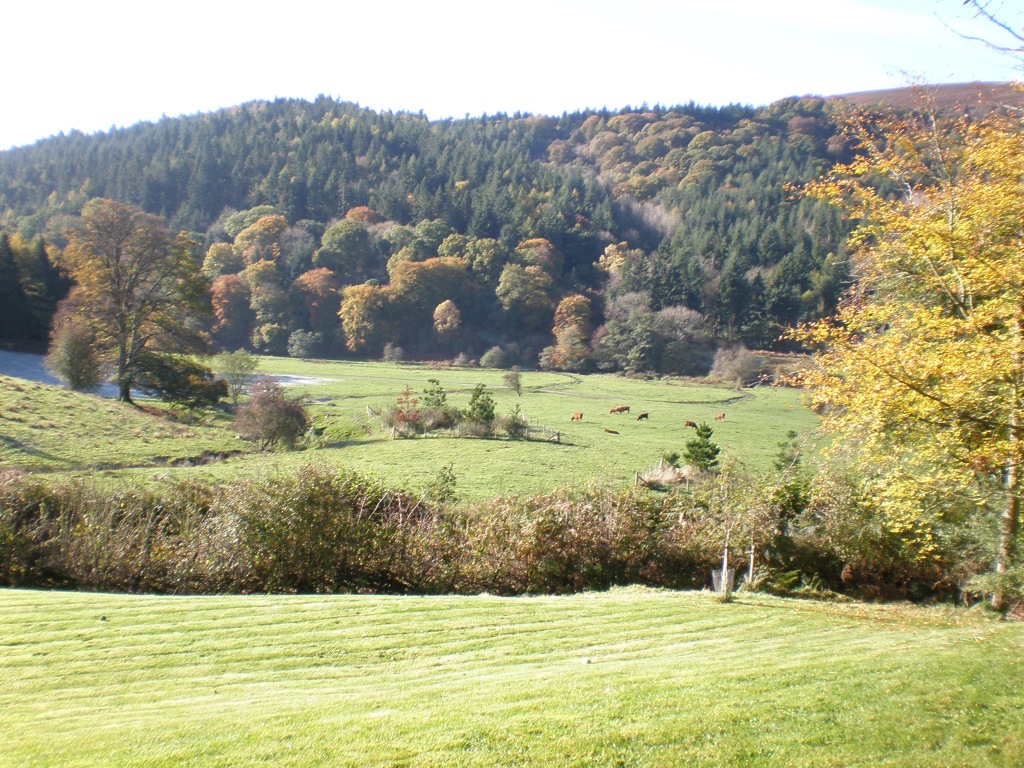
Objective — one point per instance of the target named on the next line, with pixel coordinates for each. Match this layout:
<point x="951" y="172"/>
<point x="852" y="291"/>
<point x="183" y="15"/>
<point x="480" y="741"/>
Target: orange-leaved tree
<point x="920" y="375"/>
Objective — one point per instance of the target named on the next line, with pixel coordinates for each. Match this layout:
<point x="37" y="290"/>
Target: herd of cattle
<point x="578" y="416"/>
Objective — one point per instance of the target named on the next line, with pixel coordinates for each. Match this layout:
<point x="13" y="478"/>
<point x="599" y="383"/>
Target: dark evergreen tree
<point x="15" y="315"/>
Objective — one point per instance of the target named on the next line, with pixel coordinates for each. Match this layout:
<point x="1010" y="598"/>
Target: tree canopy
<point x="921" y="373"/>
<point x="138" y="287"/>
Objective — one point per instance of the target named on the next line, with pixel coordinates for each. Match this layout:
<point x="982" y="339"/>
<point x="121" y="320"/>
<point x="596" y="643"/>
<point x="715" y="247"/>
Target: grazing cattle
<point x="611" y="431"/>
<point x="720" y="416"/>
<point x="578" y="416"/>
<point x="642" y="416"/>
<point x="620" y="409"/>
<point x="690" y="424"/>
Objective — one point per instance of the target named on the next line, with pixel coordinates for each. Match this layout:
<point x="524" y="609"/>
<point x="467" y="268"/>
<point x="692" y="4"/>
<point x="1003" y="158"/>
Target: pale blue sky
<point x="89" y="66"/>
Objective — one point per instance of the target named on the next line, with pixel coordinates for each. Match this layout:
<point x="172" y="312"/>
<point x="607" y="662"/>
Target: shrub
<point x="660" y="477"/>
<point x="179" y="380"/>
<point x="590" y="538"/>
<point x="304" y="344"/>
<point x="738" y="366"/>
<point x="270" y="417"/>
<point x="493" y="358"/>
<point x="329" y="530"/>
<point x="393" y="353"/>
<point x="73" y="357"/>
<point x="515" y="424"/>
<point x="441" y="490"/>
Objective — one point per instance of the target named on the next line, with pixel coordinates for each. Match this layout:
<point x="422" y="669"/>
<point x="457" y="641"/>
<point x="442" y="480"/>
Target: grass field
<point x="45" y="428"/>
<point x="629" y="677"/>
<point x="757" y="420"/>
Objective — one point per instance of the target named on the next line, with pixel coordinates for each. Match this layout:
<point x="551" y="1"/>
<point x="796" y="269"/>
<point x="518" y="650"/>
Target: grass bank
<point x="627" y="677"/>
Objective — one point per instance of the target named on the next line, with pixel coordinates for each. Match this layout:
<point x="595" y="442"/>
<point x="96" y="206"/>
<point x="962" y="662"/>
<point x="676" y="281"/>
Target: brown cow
<point x="611" y="431"/>
<point x="620" y="409"/>
<point x="690" y="424"/>
<point x="642" y="416"/>
<point x="578" y="416"/>
<point x="720" y="416"/>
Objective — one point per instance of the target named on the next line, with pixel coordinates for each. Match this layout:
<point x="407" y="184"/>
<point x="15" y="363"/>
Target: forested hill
<point x="668" y="231"/>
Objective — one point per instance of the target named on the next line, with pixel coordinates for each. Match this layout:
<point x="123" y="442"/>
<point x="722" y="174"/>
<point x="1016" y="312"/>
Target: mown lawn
<point x="628" y="677"/>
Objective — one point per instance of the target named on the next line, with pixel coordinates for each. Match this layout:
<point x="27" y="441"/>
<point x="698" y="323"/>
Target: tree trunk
<point x="1011" y="510"/>
<point x="1008" y="527"/>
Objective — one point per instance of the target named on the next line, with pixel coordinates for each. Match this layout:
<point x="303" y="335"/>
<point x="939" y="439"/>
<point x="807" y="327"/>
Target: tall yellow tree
<point x="921" y="373"/>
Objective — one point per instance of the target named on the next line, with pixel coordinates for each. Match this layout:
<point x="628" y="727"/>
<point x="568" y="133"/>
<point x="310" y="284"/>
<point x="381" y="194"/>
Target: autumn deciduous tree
<point x="138" y="286"/>
<point x="232" y="316"/>
<point x="260" y="241"/>
<point x="525" y="293"/>
<point x="319" y="294"/>
<point x="447" y="318"/>
<point x="921" y="372"/>
<point x="363" y="314"/>
<point x="347" y="251"/>
<point x="237" y="369"/>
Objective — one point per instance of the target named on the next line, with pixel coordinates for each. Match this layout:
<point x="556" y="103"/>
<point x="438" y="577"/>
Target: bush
<point x="393" y="353"/>
<point x="493" y="358"/>
<point x="73" y="357"/>
<point x="179" y="380"/>
<point x="304" y="344"/>
<point x="271" y="418"/>
<point x="737" y="366"/>
<point x="515" y="424"/>
<point x="321" y="529"/>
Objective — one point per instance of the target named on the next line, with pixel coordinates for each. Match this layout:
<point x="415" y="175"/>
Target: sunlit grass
<point x="45" y="427"/>
<point x="629" y="677"/>
<point x="48" y="428"/>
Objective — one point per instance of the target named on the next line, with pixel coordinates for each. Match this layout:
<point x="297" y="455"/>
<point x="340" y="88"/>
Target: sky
<point x="93" y="66"/>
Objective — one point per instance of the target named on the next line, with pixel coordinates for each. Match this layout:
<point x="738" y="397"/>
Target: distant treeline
<point x="672" y="231"/>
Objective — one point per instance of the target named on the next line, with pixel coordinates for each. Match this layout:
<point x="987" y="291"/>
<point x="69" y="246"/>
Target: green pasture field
<point x="46" y="428"/>
<point x="629" y="677"/>
<point x="756" y="421"/>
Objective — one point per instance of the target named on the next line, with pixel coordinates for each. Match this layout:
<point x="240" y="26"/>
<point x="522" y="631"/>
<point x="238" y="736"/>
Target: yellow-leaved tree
<point x="920" y="375"/>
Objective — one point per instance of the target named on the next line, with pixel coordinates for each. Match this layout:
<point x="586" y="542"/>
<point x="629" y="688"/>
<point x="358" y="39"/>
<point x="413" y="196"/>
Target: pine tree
<point x="700" y="452"/>
<point x="14" y="308"/>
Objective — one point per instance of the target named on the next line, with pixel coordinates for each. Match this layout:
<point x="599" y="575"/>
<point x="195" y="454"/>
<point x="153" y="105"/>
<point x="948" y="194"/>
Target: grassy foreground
<point x="628" y="677"/>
